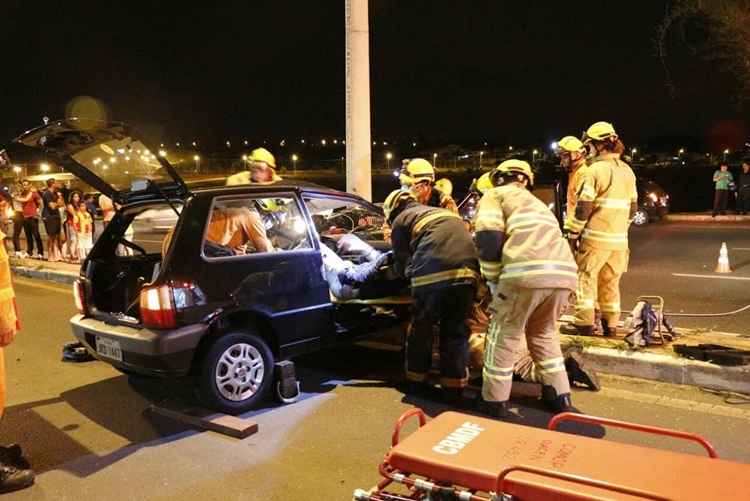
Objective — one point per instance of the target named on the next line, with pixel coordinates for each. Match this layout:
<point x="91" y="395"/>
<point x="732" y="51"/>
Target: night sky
<point x="441" y="70"/>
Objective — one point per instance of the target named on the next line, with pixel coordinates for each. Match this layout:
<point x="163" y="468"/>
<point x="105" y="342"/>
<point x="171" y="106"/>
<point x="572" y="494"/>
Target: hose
<point x="740" y="310"/>
<point x="730" y="397"/>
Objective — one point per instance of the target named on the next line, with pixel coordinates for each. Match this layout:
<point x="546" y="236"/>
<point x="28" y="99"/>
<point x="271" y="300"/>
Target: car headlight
<point x="654" y="198"/>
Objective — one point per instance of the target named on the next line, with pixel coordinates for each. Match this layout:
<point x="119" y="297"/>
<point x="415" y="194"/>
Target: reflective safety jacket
<point x="440" y="199"/>
<point x="433" y="248"/>
<point x="519" y="241"/>
<point x="607" y="202"/>
<point x="8" y="312"/>
<point x="574" y="182"/>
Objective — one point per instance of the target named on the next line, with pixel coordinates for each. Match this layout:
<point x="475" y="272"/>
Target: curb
<point x="666" y="369"/>
<point x="707" y="218"/>
<point x="64" y="277"/>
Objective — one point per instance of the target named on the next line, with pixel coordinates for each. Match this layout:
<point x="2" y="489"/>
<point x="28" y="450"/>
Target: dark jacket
<point x="744" y="182"/>
<point x="433" y="248"/>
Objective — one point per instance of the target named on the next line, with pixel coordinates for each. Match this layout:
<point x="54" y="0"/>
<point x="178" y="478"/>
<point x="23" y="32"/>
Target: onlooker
<point x="31" y="202"/>
<point x="108" y="209"/>
<point x="722" y="179"/>
<point x="14" y="469"/>
<point x="743" y="187"/>
<point x="17" y="222"/>
<point x="91" y="209"/>
<point x="84" y="226"/>
<point x="52" y="222"/>
<point x="70" y="249"/>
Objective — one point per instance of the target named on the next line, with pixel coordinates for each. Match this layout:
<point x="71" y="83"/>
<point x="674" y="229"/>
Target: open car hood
<point x="109" y="156"/>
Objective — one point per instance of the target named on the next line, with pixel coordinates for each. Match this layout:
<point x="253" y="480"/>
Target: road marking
<point x="678" y="403"/>
<point x="29" y="283"/>
<point x="741" y="248"/>
<point x="689" y="275"/>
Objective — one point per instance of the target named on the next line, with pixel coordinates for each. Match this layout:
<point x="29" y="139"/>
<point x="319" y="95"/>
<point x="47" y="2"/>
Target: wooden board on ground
<point x="205" y="419"/>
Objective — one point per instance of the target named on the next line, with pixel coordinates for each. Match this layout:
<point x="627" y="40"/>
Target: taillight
<point x="79" y="295"/>
<point x="157" y="307"/>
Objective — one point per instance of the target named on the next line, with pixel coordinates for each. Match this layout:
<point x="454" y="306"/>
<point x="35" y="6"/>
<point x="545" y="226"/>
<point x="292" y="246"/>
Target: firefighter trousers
<point x="448" y="309"/>
<point x="531" y="313"/>
<point x="599" y="272"/>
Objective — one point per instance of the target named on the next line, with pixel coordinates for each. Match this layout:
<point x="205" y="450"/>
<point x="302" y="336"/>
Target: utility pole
<point x="358" y="145"/>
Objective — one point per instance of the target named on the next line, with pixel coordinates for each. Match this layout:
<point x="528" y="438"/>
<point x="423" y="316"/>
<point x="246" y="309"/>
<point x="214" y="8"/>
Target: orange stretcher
<point x="467" y="458"/>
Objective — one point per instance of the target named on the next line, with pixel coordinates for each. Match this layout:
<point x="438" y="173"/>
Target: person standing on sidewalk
<point x="17" y="222"/>
<point x="722" y="180"/>
<point x="743" y="189"/>
<point x="31" y="201"/>
<point x="52" y="221"/>
<point x="14" y="469"/>
<point x="572" y="155"/>
<point x="70" y="248"/>
<point x="531" y="273"/>
<point x="607" y="202"/>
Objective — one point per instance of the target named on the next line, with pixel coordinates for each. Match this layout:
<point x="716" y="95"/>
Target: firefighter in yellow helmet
<point x="262" y="170"/>
<point x="531" y="272"/>
<point x="418" y="175"/>
<point x="433" y="248"/>
<point x="607" y="202"/>
<point x="572" y="155"/>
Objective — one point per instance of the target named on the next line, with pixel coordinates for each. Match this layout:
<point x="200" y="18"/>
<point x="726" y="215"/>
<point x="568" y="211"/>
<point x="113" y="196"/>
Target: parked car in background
<point x="653" y="202"/>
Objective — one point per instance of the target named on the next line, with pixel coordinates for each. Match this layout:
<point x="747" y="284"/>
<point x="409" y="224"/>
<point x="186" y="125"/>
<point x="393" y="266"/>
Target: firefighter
<point x="433" y="248"/>
<point x="262" y="169"/>
<point x="531" y="273"/>
<point x="607" y="202"/>
<point x="572" y="155"/>
<point x="419" y="176"/>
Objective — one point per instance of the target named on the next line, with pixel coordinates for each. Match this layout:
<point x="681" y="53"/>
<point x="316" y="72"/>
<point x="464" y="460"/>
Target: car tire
<point x="640" y="218"/>
<point x="236" y="372"/>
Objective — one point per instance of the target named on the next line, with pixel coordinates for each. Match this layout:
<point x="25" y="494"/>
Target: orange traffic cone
<point x="723" y="265"/>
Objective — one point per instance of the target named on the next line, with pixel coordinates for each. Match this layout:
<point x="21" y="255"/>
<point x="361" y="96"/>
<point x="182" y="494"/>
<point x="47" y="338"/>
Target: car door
<point x="283" y="283"/>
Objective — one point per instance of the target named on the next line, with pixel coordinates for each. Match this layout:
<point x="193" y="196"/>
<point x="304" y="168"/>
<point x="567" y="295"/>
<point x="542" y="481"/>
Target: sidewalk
<point x="706" y="217"/>
<point x="658" y="363"/>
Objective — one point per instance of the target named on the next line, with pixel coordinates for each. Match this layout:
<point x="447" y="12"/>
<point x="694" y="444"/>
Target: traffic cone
<point x="723" y="265"/>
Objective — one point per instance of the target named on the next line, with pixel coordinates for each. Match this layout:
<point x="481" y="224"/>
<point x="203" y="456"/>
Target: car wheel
<point x="640" y="218"/>
<point x="236" y="373"/>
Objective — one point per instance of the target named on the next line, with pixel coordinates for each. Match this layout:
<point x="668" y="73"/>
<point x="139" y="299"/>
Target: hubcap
<point x="640" y="217"/>
<point x="239" y="372"/>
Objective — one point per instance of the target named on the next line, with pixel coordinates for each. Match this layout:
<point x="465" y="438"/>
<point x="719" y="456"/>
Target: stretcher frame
<point x="423" y="489"/>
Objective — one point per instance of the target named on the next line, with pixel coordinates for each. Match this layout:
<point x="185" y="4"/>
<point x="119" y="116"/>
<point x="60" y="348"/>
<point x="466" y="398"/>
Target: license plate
<point x="109" y="348"/>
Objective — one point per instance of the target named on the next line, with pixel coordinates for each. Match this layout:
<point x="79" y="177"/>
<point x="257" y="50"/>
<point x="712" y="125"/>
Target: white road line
<point x="689" y="275"/>
<point x="741" y="248"/>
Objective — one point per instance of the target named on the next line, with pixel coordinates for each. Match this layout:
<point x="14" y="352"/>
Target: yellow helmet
<point x="418" y="169"/>
<point x="513" y="166"/>
<point x="445" y="186"/>
<point x="600" y="131"/>
<point x="484" y="183"/>
<point x="570" y="144"/>
<point x="394" y="200"/>
<point x="263" y="155"/>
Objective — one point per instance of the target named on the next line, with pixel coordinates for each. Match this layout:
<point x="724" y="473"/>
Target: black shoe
<point x="12" y="478"/>
<point x="579" y="373"/>
<point x="497" y="410"/>
<point x="608" y="331"/>
<point x="556" y="403"/>
<point x="414" y="388"/>
<point x="13" y="455"/>
<point x="577" y="330"/>
<point x="455" y="398"/>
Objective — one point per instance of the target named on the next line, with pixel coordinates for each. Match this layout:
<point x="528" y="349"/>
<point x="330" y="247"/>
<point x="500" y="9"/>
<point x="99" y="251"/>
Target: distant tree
<point x="717" y="31"/>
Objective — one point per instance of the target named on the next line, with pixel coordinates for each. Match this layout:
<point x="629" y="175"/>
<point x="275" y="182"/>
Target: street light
<point x="510" y="148"/>
<point x="633" y="151"/>
<point x="197" y="160"/>
<point x="44" y="167"/>
<point x="533" y="155"/>
<point x="726" y="152"/>
<point x="434" y="159"/>
<point x="194" y="144"/>
<point x="481" y="154"/>
<point x="16" y="169"/>
<point x="681" y="152"/>
<point x="162" y="153"/>
<point x="323" y="142"/>
<point x="294" y="162"/>
<point x="388" y="157"/>
<point x="229" y="144"/>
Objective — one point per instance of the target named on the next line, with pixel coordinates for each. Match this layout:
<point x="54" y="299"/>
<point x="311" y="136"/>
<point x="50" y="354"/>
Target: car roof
<point x="284" y="185"/>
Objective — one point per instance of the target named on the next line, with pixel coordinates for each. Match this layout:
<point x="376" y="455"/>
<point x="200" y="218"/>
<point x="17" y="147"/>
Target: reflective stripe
<point x="537" y="262"/>
<point x="613" y="203"/>
<point x="490" y="219"/>
<point x="432" y="217"/>
<point x="539" y="267"/>
<point x="499" y="371"/>
<point x="552" y="371"/>
<point x="487" y="375"/>
<point x="585" y="304"/>
<point x="551" y="361"/>
<point x="505" y="276"/>
<point x="605" y="236"/>
<point x="442" y="276"/>
<point x="610" y="307"/>
<point x="490" y="265"/>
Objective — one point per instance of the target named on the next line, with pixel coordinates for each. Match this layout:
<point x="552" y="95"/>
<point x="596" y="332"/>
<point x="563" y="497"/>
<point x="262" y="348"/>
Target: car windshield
<point x="110" y="151"/>
<point x="337" y="215"/>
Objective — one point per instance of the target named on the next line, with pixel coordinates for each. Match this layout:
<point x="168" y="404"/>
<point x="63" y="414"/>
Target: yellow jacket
<point x="574" y="181"/>
<point x="607" y="202"/>
<point x="8" y="317"/>
<point x="519" y="241"/>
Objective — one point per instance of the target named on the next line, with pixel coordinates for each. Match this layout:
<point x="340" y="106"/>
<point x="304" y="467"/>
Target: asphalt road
<point x="660" y="251"/>
<point x="84" y="429"/>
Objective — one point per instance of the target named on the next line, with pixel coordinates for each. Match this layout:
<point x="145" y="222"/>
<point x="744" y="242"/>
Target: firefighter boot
<point x="577" y="330"/>
<point x="12" y="478"/>
<point x="579" y="373"/>
<point x="556" y="403"/>
<point x="608" y="331"/>
<point x="13" y="455"/>
<point x="497" y="410"/>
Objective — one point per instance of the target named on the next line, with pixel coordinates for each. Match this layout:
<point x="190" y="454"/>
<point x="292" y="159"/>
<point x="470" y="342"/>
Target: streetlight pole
<point x="434" y="160"/>
<point x="481" y="154"/>
<point x="388" y="157"/>
<point x="533" y="156"/>
<point x="294" y="162"/>
<point x="358" y="145"/>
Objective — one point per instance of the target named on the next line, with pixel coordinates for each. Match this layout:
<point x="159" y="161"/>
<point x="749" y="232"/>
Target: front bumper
<point x="155" y="353"/>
